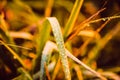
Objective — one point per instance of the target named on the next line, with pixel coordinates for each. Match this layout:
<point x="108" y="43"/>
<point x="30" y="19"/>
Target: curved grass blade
<point x="43" y="37"/>
<point x="78" y="61"/>
<point x="60" y="44"/>
<point x="46" y="54"/>
<point x="41" y="40"/>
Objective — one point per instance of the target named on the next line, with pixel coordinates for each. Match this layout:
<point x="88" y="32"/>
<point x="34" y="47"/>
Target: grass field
<point x="59" y="40"/>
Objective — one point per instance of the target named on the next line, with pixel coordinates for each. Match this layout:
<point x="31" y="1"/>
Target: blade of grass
<point x="41" y="40"/>
<point x="68" y="7"/>
<point x="17" y="46"/>
<point x="3" y="24"/>
<point x="73" y="16"/>
<point x="46" y="55"/>
<point x="59" y="40"/>
<point x="23" y="35"/>
<point x="49" y="8"/>
<point x="60" y="44"/>
<point x="85" y="66"/>
<point x="78" y="61"/>
<point x="78" y="71"/>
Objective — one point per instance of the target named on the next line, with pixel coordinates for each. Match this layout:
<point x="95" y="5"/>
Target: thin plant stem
<point x="83" y="25"/>
<point x="14" y="54"/>
<point x="104" y="19"/>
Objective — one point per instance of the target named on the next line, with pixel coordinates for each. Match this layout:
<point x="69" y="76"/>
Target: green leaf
<point x="43" y="36"/>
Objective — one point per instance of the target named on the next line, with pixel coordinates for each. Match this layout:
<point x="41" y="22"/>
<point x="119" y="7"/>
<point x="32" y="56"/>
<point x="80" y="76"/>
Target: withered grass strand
<point x="14" y="54"/>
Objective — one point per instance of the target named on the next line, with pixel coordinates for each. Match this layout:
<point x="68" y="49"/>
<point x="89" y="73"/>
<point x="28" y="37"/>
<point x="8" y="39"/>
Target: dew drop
<point x="104" y="19"/>
<point x="14" y="57"/>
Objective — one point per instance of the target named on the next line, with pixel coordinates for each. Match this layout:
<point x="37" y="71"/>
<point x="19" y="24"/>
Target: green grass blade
<point x="60" y="44"/>
<point x="73" y="16"/>
<point x="43" y="36"/>
<point x="46" y="55"/>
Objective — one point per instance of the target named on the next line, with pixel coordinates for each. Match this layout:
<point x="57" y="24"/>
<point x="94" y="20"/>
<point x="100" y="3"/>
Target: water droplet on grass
<point x="104" y="19"/>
